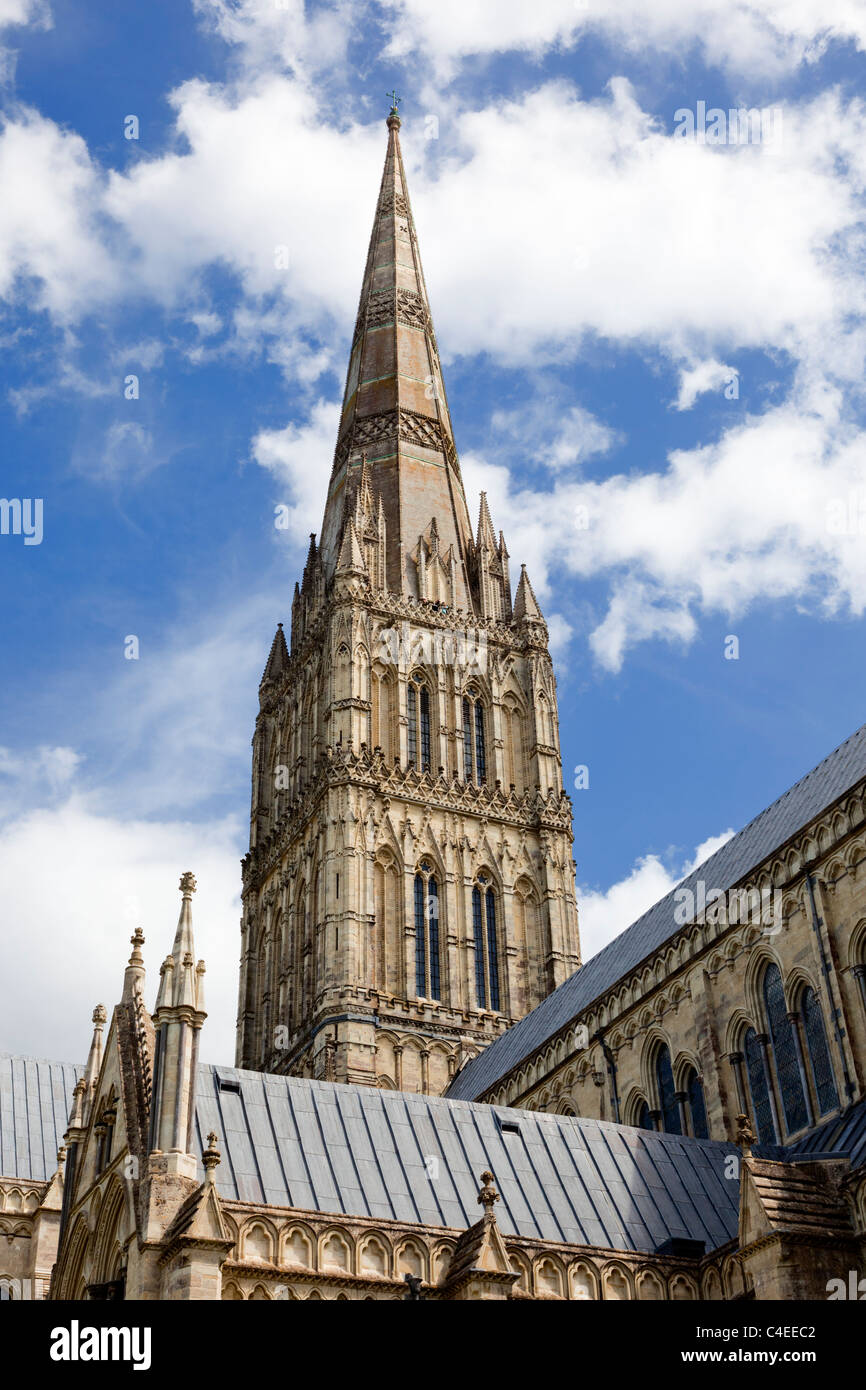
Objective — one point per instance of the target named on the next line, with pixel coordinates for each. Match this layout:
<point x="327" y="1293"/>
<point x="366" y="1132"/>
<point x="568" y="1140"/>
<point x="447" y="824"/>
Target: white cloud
<point x="606" y="913"/>
<point x="757" y="38"/>
<point x="291" y="34"/>
<point x="300" y="457"/>
<point x="18" y="12"/>
<point x="709" y="375"/>
<point x="578" y="435"/>
<point x="75" y="886"/>
<point x="775" y="509"/>
<point x="45" y="770"/>
<point x="52" y="237"/>
<point x="179" y="719"/>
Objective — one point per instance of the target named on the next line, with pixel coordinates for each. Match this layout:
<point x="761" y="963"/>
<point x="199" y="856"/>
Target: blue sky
<point x="653" y="349"/>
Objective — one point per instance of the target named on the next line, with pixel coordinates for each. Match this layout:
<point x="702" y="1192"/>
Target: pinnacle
<point x="486" y="534"/>
<point x="351" y="556"/>
<point x="525" y="602"/>
<point x="278" y="658"/>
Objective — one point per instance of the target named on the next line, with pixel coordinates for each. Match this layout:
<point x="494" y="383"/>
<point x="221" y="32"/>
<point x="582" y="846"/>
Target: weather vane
<point x="395" y="100"/>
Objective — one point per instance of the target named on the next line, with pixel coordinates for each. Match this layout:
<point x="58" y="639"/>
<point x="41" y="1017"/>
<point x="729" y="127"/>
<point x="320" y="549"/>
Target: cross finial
<point x="395" y="100"/>
<point x="488" y="1195"/>
<point x="210" y="1157"/>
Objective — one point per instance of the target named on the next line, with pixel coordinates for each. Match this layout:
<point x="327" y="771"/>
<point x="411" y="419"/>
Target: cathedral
<point x="432" y="1097"/>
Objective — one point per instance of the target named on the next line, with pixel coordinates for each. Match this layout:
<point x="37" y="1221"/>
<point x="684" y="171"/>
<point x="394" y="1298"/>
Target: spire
<point x="94" y="1057"/>
<point x="178" y="1018"/>
<point x="351" y="555"/>
<point x="278" y="658"/>
<point x="486" y="533"/>
<point x="133" y="978"/>
<point x="394" y="410"/>
<point x="525" y="602"/>
<point x="183" y="942"/>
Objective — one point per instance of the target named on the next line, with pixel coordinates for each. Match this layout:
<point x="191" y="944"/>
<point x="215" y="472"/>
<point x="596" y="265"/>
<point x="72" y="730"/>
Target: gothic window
<point x="427" y="985"/>
<point x="515" y="771"/>
<point x="419" y="724"/>
<point x="784" y="1051"/>
<point x="474" y="745"/>
<point x="817" y="1052"/>
<point x="762" y="1112"/>
<point x="644" y="1118"/>
<point x="697" y="1110"/>
<point x="545" y="733"/>
<point x="666" y="1092"/>
<point x="486" y="944"/>
<point x="380" y="732"/>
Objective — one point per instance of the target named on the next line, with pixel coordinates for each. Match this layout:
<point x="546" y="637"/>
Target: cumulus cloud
<point x="75" y="886"/>
<point x="775" y="509"/>
<point x="708" y="375"/>
<point x="604" y="913"/>
<point x="299" y="457"/>
<point x="757" y="38"/>
<point x="579" y="435"/>
<point x="53" y="240"/>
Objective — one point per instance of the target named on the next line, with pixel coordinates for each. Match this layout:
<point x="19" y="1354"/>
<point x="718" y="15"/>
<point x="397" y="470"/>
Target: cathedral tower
<point x="409" y="887"/>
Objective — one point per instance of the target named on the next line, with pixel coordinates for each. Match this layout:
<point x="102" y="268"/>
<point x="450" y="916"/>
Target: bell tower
<point x="409" y="887"/>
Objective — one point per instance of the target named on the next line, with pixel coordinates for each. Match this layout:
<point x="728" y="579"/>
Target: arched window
<point x="817" y="1052"/>
<point x="381" y="716"/>
<point x="418" y="697"/>
<point x="762" y="1111"/>
<point x="427" y="984"/>
<point x="784" y="1051"/>
<point x="666" y="1093"/>
<point x="697" y="1109"/>
<point x="486" y="946"/>
<point x="474" y="745"/>
<point x="512" y="744"/>
<point x="644" y="1118"/>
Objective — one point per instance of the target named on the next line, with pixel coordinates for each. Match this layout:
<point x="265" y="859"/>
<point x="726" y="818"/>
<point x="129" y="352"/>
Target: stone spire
<point x="278" y="658"/>
<point x="525" y="602"/>
<point x="178" y="1019"/>
<point x="394" y="410"/>
<point x="94" y="1057"/>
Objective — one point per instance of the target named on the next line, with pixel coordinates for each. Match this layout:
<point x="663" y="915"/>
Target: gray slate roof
<point x="738" y="857"/>
<point x="844" y="1134"/>
<point x="360" y="1151"/>
<point x="35" y="1100"/>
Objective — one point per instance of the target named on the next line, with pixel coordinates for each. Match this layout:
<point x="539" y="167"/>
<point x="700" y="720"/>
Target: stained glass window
<point x="420" y="939"/>
<point x="418" y="699"/>
<point x="480" y="992"/>
<point x="427" y="976"/>
<point x="492" y="962"/>
<point x="697" y="1107"/>
<point x="667" y="1101"/>
<point x="474" y="745"/>
<point x="784" y="1051"/>
<point x="760" y="1096"/>
<point x="818" y="1052"/>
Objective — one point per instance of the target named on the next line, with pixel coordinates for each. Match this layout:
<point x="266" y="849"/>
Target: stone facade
<point x="409" y="889"/>
<point x="705" y="990"/>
